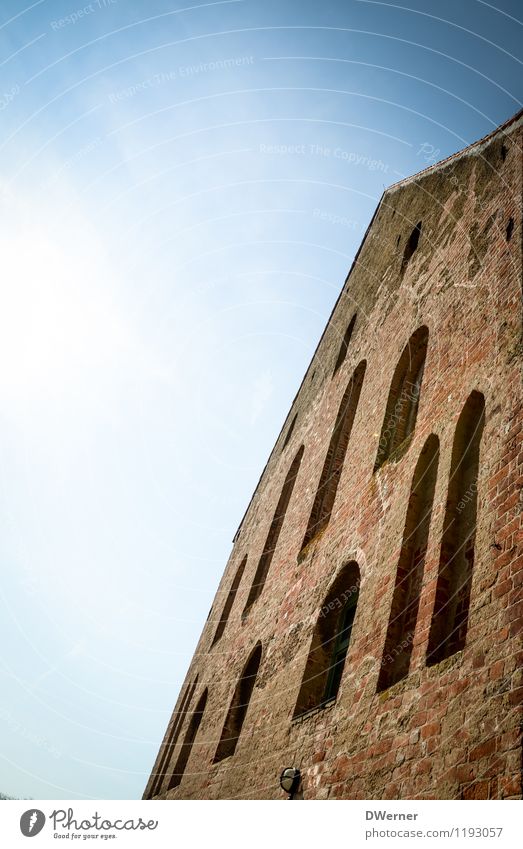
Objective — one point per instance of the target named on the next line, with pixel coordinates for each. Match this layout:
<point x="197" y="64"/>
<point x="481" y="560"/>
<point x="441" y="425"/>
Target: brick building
<point x="368" y="626"/>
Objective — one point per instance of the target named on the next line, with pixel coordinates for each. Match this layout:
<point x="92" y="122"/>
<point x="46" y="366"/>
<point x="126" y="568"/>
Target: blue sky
<point x="183" y="189"/>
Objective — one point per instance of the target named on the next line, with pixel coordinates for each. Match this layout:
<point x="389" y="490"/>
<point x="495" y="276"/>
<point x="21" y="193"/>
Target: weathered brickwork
<point x="448" y="729"/>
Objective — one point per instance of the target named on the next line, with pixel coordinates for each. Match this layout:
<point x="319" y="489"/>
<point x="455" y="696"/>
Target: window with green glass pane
<point x="330" y="641"/>
<point x="340" y="648"/>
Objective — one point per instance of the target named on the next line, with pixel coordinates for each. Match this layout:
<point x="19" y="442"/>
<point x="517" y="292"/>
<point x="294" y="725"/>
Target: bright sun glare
<point x="59" y="324"/>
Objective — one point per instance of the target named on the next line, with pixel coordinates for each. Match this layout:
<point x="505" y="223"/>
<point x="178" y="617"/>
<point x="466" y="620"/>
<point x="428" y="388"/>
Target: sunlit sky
<point x="183" y="189"/>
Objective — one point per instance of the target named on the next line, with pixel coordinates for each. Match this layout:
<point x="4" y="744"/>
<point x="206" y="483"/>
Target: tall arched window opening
<point x="289" y="432"/>
<point x="264" y="563"/>
<point x="410" y="247"/>
<point x="238" y="708"/>
<point x="409" y="575"/>
<point x="229" y="602"/>
<point x="344" y="347"/>
<point x="190" y="735"/>
<point x="451" y="608"/>
<point x="333" y="465"/>
<point x="403" y="401"/>
<point x="330" y="642"/>
<point x="172" y="738"/>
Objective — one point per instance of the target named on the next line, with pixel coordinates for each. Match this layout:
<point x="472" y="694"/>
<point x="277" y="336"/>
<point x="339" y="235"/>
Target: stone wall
<point x="448" y="730"/>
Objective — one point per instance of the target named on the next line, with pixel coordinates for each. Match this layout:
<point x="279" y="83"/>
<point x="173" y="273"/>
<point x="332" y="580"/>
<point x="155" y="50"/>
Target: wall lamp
<point x="290" y="780"/>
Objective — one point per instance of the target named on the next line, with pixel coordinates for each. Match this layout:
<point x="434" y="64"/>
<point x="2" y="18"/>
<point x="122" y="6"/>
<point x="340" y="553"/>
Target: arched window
<point x="172" y="737"/>
<point x="333" y="465"/>
<point x="238" y="708"/>
<point x="451" y="608"/>
<point x="344" y="347"/>
<point x="330" y="642"/>
<point x="274" y="532"/>
<point x="402" y="404"/>
<point x="190" y="734"/>
<point x="229" y="602"/>
<point x="410" y="247"/>
<point x="409" y="576"/>
<point x="289" y="432"/>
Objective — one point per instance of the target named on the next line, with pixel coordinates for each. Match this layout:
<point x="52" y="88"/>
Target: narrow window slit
<point x="229" y="602"/>
<point x="289" y="432"/>
<point x="344" y="347"/>
<point x="403" y="401"/>
<point x="333" y="464"/>
<point x="397" y="652"/>
<point x="410" y="247"/>
<point x="188" y="742"/>
<point x="265" y="560"/>
<point x="172" y="738"/>
<point x="238" y="708"/>
<point x="451" y="607"/>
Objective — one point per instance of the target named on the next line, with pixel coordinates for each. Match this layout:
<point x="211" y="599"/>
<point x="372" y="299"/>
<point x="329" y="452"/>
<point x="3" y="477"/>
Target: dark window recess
<point x="172" y="738"/>
<point x="289" y="432"/>
<point x="330" y="642"/>
<point x="186" y="747"/>
<point x="410" y="247"/>
<point x="229" y="602"/>
<point x="397" y="652"/>
<point x="504" y="152"/>
<point x="510" y="229"/>
<point x="238" y="708"/>
<point x="274" y="532"/>
<point x="344" y="347"/>
<point x="340" y="649"/>
<point x="451" y="608"/>
<point x="402" y="404"/>
<point x="333" y="465"/>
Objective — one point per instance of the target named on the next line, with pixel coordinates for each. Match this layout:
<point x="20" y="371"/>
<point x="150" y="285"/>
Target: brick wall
<point x="453" y="729"/>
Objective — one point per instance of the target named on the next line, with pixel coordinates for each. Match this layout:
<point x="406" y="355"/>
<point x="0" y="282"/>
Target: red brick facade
<point x="445" y="728"/>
